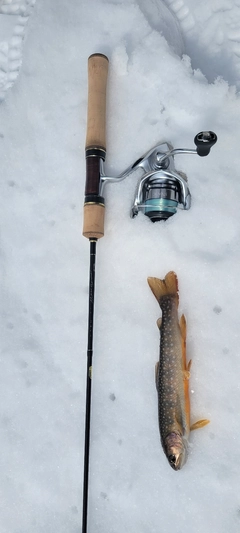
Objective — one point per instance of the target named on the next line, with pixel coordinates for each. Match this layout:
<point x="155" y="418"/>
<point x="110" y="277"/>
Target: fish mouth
<point x="176" y="460"/>
<point x="175" y="450"/>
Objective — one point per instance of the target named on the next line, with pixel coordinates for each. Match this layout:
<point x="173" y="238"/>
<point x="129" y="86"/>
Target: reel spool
<point x="162" y="189"/>
<point x="160" y="198"/>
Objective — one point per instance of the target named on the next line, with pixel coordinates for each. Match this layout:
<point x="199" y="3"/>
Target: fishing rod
<point x="93" y="223"/>
<point x="161" y="190"/>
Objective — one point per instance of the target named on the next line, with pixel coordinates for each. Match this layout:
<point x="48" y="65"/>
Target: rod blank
<point x="88" y="383"/>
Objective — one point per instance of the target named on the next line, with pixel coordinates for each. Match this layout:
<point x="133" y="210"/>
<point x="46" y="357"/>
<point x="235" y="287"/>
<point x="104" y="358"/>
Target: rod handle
<point x="93" y="221"/>
<point x="96" y="115"/>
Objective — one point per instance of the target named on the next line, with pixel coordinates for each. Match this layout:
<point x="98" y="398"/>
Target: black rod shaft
<point x="93" y="243"/>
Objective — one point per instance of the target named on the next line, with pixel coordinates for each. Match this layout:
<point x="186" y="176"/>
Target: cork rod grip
<point x="96" y="116"/>
<point x="93" y="221"/>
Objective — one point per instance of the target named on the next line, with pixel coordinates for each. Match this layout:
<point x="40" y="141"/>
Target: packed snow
<point x="174" y="70"/>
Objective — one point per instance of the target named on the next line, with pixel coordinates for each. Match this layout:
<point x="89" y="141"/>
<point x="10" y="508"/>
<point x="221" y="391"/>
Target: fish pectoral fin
<point x="159" y="323"/>
<point x="189" y="365"/>
<point x="199" y="424"/>
<point x="156" y="374"/>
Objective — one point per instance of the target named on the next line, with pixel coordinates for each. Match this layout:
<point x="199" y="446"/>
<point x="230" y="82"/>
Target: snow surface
<point x="154" y="93"/>
<point x="14" y="16"/>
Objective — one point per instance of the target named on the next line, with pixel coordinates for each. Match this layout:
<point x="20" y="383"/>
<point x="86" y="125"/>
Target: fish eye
<point x="172" y="459"/>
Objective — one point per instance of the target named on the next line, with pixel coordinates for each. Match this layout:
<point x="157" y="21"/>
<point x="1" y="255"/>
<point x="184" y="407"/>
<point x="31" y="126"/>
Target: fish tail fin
<point x="164" y="287"/>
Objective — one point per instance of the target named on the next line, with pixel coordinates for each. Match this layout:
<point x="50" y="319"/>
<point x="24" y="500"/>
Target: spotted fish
<point x="172" y="374"/>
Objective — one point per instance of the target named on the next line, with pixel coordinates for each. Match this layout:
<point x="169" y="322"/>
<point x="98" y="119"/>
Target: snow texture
<point x="14" y="15"/>
<point x="162" y="85"/>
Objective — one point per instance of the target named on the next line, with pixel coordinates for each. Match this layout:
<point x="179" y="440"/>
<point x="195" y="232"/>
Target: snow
<point x="154" y="93"/>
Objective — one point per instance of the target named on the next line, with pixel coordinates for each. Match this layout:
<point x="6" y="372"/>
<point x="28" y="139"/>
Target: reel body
<point x="162" y="189"/>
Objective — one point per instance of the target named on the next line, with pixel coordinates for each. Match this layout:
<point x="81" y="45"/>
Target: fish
<point x="172" y="374"/>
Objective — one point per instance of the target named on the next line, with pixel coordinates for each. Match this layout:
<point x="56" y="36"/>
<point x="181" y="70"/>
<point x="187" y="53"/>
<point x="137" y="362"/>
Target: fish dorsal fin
<point x="183" y="330"/>
<point x="164" y="287"/>
<point x="157" y="374"/>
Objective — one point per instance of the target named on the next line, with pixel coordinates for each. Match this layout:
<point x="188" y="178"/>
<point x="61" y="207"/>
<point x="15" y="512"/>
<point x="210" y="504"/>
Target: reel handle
<point x="204" y="142"/>
<point x="95" y="148"/>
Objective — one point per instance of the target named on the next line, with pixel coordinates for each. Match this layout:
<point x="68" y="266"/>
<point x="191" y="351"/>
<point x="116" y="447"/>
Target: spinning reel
<point x="161" y="189"/>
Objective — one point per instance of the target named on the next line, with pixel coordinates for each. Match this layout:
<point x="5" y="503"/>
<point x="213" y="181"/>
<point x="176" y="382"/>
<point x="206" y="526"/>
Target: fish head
<point x="176" y="458"/>
<point x="176" y="450"/>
